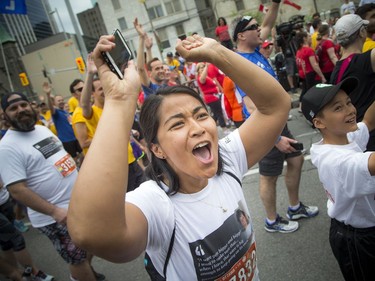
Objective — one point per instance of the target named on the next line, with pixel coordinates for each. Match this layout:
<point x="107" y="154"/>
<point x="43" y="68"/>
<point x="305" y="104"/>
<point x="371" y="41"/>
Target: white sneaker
<point x="281" y="225"/>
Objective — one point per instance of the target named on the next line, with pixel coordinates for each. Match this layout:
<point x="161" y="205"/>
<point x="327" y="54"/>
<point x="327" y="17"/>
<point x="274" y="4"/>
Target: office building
<point x="92" y="22"/>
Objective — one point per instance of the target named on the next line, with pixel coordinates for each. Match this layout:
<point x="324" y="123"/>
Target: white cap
<point x="347" y="25"/>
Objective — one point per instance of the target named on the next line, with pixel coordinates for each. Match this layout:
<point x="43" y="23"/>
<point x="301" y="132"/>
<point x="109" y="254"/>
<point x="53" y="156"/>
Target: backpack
<point x="149" y="266"/>
<point x="319" y="49"/>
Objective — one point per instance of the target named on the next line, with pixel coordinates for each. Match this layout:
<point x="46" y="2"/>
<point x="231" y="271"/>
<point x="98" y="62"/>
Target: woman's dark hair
<point x="300" y="36"/>
<point x="149" y="120"/>
<point x="221" y="18"/>
<point x="323" y="30"/>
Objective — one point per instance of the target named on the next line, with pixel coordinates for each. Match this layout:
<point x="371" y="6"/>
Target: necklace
<point x="214" y="205"/>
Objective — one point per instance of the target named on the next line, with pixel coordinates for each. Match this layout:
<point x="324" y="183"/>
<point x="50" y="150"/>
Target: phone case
<point x="111" y="62"/>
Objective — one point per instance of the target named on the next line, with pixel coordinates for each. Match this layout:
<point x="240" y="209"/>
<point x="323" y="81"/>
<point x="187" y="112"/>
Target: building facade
<point x="29" y="28"/>
<point x="169" y="19"/>
<point x="92" y="22"/>
<point x="20" y="32"/>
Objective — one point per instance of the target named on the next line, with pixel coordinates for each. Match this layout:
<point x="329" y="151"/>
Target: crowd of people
<point x="142" y="155"/>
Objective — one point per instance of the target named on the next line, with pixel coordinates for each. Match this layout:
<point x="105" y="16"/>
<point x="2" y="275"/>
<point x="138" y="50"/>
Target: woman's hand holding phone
<point x="115" y="88"/>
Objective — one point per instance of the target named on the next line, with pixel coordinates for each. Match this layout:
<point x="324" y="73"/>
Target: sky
<point x="77" y="7"/>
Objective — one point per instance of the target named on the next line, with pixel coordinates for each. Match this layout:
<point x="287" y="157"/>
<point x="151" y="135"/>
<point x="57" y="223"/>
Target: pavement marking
<point x="307" y="134"/>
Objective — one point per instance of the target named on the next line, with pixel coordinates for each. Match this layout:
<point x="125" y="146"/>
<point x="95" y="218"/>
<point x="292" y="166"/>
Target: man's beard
<point x="23" y="124"/>
<point x="158" y="79"/>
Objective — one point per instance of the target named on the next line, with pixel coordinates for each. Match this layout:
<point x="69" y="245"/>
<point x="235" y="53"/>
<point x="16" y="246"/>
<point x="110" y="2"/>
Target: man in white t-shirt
<point x="40" y="174"/>
<point x="347" y="8"/>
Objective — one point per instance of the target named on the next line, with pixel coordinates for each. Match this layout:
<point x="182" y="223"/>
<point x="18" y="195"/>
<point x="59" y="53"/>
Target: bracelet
<point x="276" y="1"/>
<point x="278" y="140"/>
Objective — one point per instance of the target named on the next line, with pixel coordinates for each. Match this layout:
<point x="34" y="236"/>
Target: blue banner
<point x="13" y="7"/>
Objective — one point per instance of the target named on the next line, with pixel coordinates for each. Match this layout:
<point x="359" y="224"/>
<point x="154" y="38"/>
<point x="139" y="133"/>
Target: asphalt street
<point x="302" y="255"/>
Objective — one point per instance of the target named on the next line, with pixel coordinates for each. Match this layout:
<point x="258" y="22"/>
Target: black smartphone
<point x="297" y="146"/>
<point x="118" y="58"/>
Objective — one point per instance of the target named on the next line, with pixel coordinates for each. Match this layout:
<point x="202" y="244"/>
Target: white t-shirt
<point x="4" y="194"/>
<point x="347" y="8"/>
<point x="343" y="171"/>
<point x="38" y="158"/>
<point x="209" y="241"/>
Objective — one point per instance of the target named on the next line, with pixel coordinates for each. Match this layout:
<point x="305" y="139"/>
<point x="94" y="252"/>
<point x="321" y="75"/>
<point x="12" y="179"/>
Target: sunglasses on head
<point x="79" y="89"/>
<point x="246" y="18"/>
<point x="254" y="26"/>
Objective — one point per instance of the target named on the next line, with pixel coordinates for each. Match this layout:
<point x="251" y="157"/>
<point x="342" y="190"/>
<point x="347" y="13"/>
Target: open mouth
<point x="351" y="121"/>
<point x="203" y="152"/>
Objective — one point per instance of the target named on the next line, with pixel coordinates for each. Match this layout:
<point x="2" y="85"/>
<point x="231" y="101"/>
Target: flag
<point x="294" y="5"/>
<point x="263" y="9"/>
<point x="13" y="7"/>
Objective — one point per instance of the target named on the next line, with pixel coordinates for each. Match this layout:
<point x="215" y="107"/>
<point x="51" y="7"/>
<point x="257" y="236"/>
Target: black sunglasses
<point x="79" y="89"/>
<point x="254" y="26"/>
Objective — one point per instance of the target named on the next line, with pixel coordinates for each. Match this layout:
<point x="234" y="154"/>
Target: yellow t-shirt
<point x="93" y="123"/>
<point x="175" y="63"/>
<point x="369" y="45"/>
<point x="73" y="103"/>
<point x="313" y="40"/>
<point x="48" y="117"/>
<point x="78" y="118"/>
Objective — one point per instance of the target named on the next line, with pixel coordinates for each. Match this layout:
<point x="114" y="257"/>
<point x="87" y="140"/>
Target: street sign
<point x="24" y="79"/>
<point x="80" y="64"/>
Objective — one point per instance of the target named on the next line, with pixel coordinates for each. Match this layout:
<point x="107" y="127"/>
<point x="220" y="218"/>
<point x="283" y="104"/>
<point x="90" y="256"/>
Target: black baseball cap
<point x="5" y="103"/>
<point x="170" y="54"/>
<point x="242" y="23"/>
<point x="320" y="95"/>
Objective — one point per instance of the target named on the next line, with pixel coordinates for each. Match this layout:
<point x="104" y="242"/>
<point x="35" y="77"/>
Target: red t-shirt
<point x="214" y="72"/>
<point x="303" y="62"/>
<point x="209" y="90"/>
<point x="222" y="32"/>
<point x="325" y="62"/>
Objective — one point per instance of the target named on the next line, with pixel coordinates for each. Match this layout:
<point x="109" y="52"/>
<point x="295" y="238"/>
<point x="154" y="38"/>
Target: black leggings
<point x="307" y="83"/>
<point x="217" y="112"/>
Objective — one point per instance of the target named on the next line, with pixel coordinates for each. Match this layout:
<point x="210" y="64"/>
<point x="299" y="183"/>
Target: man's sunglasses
<point x="79" y="89"/>
<point x="254" y="26"/>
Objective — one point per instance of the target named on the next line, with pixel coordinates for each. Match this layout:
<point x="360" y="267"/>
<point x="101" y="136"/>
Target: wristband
<point x="278" y="140"/>
<point x="276" y="1"/>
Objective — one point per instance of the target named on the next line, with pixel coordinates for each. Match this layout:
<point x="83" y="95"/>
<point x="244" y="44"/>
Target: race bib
<point x="244" y="269"/>
<point x="65" y="165"/>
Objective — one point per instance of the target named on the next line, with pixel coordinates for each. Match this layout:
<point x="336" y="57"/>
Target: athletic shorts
<point x="10" y="237"/>
<point x="290" y="66"/>
<point x="72" y="147"/>
<point x="60" y="238"/>
<point x="272" y="164"/>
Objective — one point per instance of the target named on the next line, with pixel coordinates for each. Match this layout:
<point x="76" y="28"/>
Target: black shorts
<point x="272" y="164"/>
<point x="72" y="147"/>
<point x="290" y="66"/>
<point x="10" y="237"/>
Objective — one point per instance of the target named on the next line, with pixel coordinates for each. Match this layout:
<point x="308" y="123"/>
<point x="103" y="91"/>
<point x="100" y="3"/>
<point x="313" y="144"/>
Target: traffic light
<point x="24" y="79"/>
<point x="80" y="64"/>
